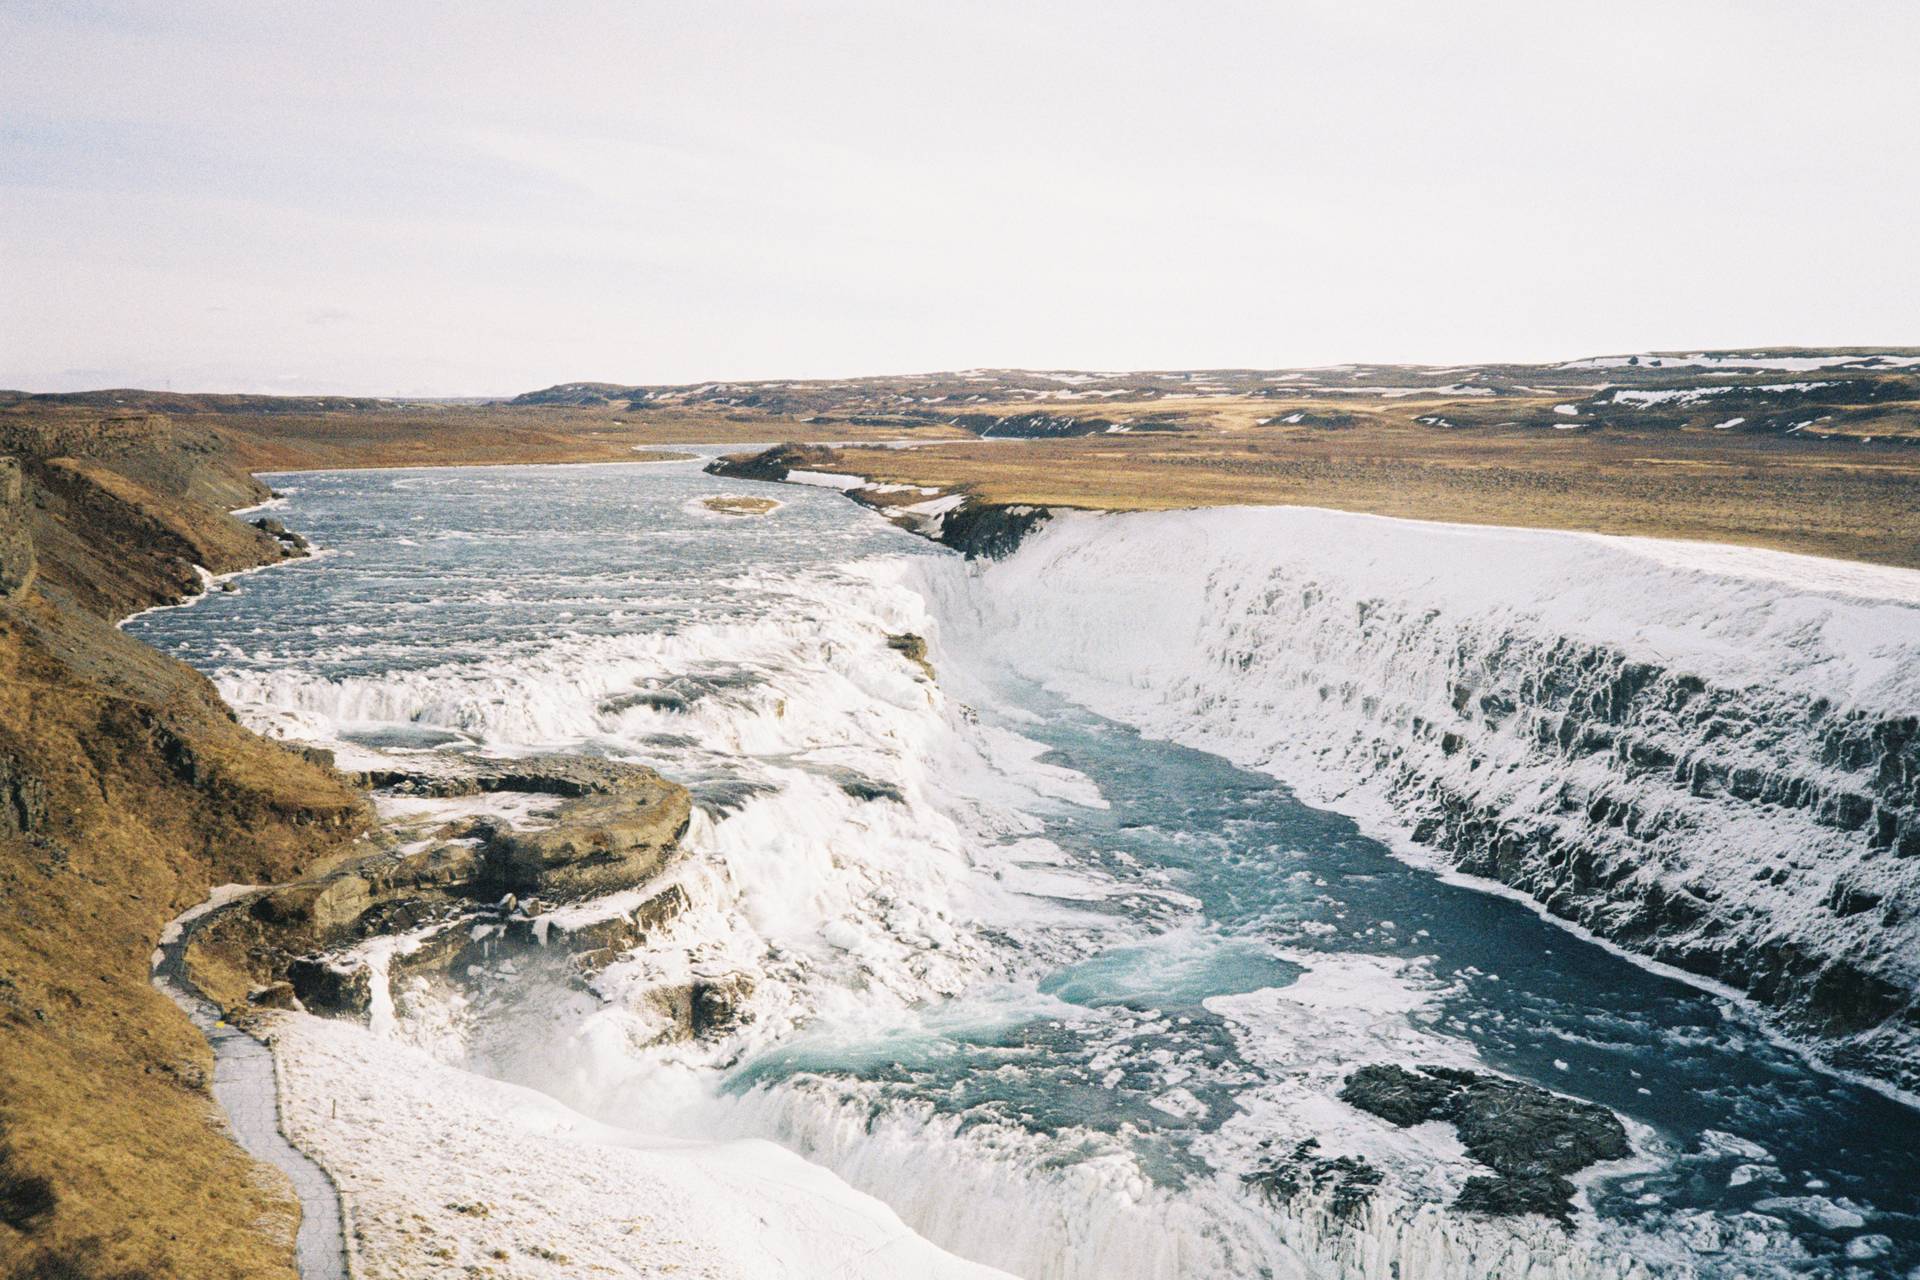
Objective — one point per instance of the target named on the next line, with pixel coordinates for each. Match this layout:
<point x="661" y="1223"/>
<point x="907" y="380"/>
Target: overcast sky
<point x="431" y="198"/>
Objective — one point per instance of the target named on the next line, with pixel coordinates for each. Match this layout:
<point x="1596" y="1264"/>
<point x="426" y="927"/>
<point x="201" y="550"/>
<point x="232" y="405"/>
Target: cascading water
<point x="1050" y="989"/>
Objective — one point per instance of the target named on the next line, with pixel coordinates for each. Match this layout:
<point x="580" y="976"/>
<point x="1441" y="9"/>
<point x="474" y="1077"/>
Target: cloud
<point x="493" y="202"/>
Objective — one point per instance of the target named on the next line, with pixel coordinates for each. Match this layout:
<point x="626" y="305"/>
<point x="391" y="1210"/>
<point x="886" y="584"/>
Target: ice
<point x="1379" y="664"/>
<point x="1830" y="1214"/>
<point x="442" y="1169"/>
<point x="826" y="479"/>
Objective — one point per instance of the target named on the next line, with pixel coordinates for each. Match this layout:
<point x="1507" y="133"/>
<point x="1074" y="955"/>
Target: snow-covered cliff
<point x="1709" y="755"/>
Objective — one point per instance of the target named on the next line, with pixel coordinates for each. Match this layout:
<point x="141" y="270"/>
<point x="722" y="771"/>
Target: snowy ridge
<point x="1705" y="754"/>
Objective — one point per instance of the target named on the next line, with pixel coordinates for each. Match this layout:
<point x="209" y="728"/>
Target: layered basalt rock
<point x="479" y="890"/>
<point x="1821" y="928"/>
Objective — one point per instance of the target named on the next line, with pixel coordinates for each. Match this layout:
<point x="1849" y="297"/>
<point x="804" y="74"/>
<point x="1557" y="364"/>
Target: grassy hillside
<point x="126" y="792"/>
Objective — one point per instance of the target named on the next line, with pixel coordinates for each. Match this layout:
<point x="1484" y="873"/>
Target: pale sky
<point x="446" y="198"/>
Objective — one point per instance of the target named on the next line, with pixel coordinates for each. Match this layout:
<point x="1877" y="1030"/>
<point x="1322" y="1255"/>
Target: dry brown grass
<point x="1834" y="497"/>
<point x="144" y="794"/>
<point x="491" y="434"/>
<point x="126" y="791"/>
<point x="1819" y="497"/>
<point x="734" y="505"/>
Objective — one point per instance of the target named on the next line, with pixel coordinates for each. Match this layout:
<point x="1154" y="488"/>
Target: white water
<point x="912" y="1029"/>
<point x="1421" y="654"/>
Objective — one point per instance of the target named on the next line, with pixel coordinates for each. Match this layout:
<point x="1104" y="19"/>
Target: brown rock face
<point x="126" y="792"/>
<point x="17" y="566"/>
<point x="469" y="898"/>
<point x="598" y="845"/>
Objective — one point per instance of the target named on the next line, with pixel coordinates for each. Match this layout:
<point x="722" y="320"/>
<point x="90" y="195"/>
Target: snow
<point x="826" y="479"/>
<point x="1786" y="364"/>
<point x="1352" y="656"/>
<point x="443" y="1169"/>
<point x="934" y="506"/>
<point x="1693" y="395"/>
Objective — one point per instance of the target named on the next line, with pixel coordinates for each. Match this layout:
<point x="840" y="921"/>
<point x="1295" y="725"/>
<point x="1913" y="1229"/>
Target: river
<point x="1048" y="988"/>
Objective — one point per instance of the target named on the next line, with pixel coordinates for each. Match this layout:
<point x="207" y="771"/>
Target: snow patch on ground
<point x="445" y="1170"/>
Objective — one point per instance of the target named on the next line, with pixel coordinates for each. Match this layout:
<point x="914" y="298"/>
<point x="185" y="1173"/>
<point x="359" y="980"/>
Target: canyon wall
<point x="1708" y="755"/>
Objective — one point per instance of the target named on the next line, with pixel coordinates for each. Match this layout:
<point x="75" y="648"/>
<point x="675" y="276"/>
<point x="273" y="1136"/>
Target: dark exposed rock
<point x="326" y="987"/>
<point x="1350" y="1180"/>
<point x="1399" y="1096"/>
<point x="978" y="531"/>
<point x="861" y="787"/>
<point x="722" y="796"/>
<point x="280" y="533"/>
<point x="719" y="1005"/>
<point x="1531" y="1137"/>
<point x="557" y="775"/>
<point x="23" y="798"/>
<point x="914" y="648"/>
<point x="990" y="532"/>
<point x="772" y="464"/>
<point x="275" y="995"/>
<point x="1041" y="425"/>
<point x="1550" y="1196"/>
<point x="597" y="843"/>
<point x="614" y="826"/>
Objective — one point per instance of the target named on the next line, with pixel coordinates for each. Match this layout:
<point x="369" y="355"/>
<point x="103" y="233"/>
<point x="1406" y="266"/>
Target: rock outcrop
<point x="990" y="531"/>
<point x="598" y="844"/>
<point x="977" y="530"/>
<point x="1348" y="1182"/>
<point x="773" y="464"/>
<point x="478" y="890"/>
<point x="1530" y="1137"/>
<point x="17" y="562"/>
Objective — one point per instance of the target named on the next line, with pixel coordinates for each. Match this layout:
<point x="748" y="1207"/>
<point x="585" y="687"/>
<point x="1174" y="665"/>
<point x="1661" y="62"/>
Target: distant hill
<point x="190" y="402"/>
<point x="1845" y="391"/>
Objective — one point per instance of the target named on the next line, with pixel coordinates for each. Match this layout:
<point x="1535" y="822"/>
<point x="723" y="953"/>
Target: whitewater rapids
<point x="1000" y="998"/>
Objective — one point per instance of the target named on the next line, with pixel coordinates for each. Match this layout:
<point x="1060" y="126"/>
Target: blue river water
<point x="492" y="566"/>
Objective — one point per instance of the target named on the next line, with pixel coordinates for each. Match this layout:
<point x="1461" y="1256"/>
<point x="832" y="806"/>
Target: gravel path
<point x="244" y="1085"/>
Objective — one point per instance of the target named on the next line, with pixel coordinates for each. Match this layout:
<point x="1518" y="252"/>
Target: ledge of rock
<point x="616" y="827"/>
<point x="597" y="843"/>
<point x="771" y="464"/>
<point x="1530" y="1137"/>
<point x="556" y="775"/>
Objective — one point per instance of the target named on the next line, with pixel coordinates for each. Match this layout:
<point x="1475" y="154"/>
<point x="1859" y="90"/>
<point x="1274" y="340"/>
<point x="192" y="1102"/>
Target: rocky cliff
<point x="977" y="530"/>
<point x="127" y="791"/>
<point x="1709" y="756"/>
